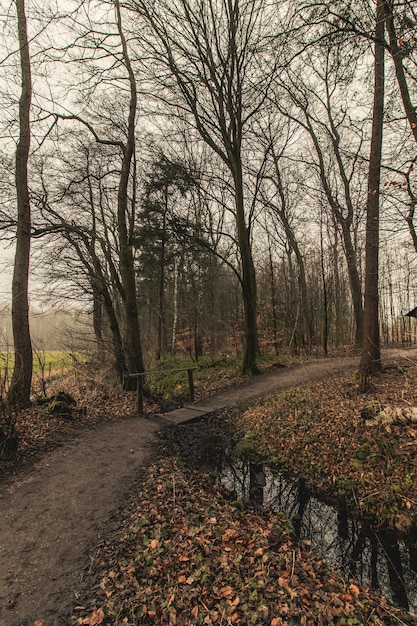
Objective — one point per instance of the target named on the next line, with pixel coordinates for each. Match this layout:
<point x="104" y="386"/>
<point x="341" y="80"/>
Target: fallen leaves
<point x="226" y="592"/>
<point x="317" y="432"/>
<point x="96" y="618"/>
<point x="354" y="589"/>
<point x="169" y="566"/>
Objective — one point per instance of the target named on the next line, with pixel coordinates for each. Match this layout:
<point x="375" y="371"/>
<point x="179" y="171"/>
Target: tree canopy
<point x="202" y="173"/>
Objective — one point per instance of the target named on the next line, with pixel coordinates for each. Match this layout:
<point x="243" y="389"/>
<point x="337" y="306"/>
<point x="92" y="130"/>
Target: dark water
<point x="376" y="558"/>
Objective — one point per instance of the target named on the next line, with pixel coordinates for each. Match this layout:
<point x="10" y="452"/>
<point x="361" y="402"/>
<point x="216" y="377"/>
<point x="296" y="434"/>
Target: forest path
<point x="55" y="510"/>
<point x="51" y="513"/>
<point x="269" y="382"/>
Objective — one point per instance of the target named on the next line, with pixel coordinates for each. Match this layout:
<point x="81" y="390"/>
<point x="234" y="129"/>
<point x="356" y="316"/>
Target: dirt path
<point x="53" y="512"/>
<point x="258" y="386"/>
<point x="50" y="516"/>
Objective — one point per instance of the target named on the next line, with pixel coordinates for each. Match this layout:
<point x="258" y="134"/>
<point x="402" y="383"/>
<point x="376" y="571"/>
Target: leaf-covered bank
<point x="184" y="555"/>
<point x="320" y="432"/>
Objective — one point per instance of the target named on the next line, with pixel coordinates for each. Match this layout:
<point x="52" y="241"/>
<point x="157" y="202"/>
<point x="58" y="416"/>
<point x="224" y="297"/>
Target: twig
<point x="408" y="499"/>
<point x="173" y="490"/>
<point x="293" y="567"/>
<point x="399" y="620"/>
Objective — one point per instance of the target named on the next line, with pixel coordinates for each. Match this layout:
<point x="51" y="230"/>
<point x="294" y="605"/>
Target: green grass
<point x="52" y="360"/>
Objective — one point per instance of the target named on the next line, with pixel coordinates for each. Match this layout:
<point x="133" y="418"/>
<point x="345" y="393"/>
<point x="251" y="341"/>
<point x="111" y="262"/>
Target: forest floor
<point x="90" y="536"/>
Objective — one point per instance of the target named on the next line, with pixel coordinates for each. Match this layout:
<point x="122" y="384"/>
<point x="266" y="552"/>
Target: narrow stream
<point x="377" y="559"/>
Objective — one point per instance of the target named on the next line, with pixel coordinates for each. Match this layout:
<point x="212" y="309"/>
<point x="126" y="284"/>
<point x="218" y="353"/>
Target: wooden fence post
<point x="191" y="384"/>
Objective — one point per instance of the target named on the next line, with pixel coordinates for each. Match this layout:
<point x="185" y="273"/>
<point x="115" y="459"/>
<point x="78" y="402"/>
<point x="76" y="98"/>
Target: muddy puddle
<point x="377" y="558"/>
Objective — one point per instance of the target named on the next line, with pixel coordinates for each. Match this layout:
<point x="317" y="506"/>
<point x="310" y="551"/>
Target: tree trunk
<point x="325" y="293"/>
<point x="248" y="278"/>
<point x="161" y="286"/>
<point x="175" y="307"/>
<point x="97" y="318"/>
<point x="282" y="213"/>
<point x="132" y="337"/>
<point x="371" y="354"/>
<point x="355" y="285"/>
<point x="19" y="392"/>
<point x="119" y="357"/>
<point x="273" y="301"/>
<point x="106" y="301"/>
<point x="339" y="305"/>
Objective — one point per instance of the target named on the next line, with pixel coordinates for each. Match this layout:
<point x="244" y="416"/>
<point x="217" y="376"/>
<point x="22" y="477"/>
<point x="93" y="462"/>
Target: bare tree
<point x="279" y="203"/>
<point x="213" y="60"/>
<point x="401" y="47"/>
<point x="320" y="106"/>
<point x="355" y="19"/>
<point x="371" y="353"/>
<point x="19" y="392"/>
<point x="116" y="135"/>
<point x="126" y="265"/>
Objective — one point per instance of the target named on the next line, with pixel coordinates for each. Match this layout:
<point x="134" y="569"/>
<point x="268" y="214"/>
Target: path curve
<point x="54" y="511"/>
<point x="51" y="514"/>
<point x="277" y="379"/>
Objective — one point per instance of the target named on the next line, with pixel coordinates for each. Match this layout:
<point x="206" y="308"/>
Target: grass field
<point x="47" y="362"/>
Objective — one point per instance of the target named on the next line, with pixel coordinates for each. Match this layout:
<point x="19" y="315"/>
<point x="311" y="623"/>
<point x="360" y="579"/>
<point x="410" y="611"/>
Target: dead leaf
<point x="194" y="612"/>
<point x="154" y="544"/>
<point x="229" y="534"/>
<point x="96" y="617"/>
<point x="226" y="591"/>
<point x="354" y="589"/>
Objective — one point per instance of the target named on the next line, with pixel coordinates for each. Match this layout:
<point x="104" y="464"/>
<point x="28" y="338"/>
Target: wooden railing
<point x="141" y="376"/>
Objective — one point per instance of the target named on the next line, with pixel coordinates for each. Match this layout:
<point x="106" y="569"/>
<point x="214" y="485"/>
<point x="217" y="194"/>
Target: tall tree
<point x="319" y="92"/>
<point x="167" y="181"/>
<point x="277" y="198"/>
<point x="126" y="266"/>
<point x="106" y="126"/>
<point x="371" y="353"/>
<point x="400" y="23"/>
<point x="19" y="392"/>
<point x="210" y="58"/>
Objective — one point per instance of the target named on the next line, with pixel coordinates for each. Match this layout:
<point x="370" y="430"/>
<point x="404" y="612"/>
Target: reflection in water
<point x="376" y="559"/>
